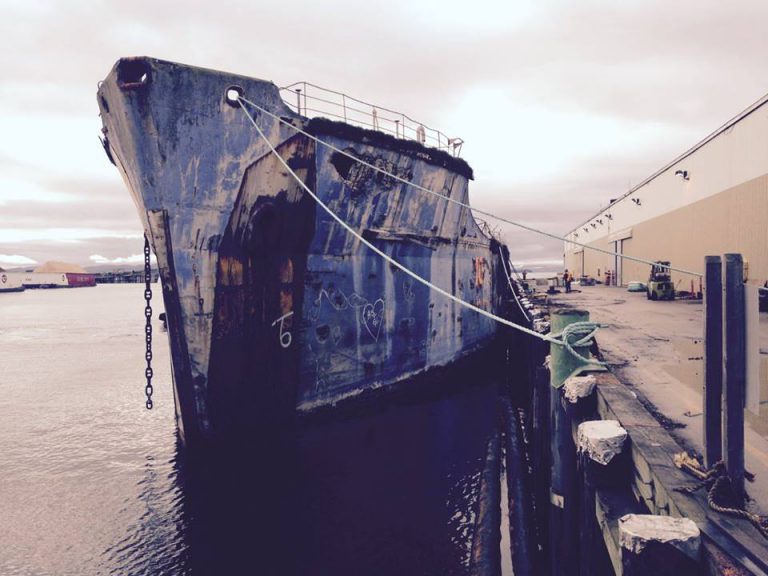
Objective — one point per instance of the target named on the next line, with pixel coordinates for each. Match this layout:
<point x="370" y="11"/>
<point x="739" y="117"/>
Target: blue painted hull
<point x="271" y="305"/>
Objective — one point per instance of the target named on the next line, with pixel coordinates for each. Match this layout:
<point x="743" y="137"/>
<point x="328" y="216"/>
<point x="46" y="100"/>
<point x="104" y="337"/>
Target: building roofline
<point x="729" y="124"/>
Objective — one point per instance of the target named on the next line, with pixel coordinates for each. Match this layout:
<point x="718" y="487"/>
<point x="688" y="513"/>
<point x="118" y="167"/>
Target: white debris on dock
<point x="577" y="387"/>
<point x="601" y="440"/>
<point x="637" y="530"/>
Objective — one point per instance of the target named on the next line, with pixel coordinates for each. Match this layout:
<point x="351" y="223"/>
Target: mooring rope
<point x="509" y="283"/>
<point x="718" y="486"/>
<point x="582" y="330"/>
<point x="242" y="99"/>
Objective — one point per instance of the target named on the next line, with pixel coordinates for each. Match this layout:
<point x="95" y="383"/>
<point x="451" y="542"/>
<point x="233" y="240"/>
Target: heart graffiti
<point x="373" y="318"/>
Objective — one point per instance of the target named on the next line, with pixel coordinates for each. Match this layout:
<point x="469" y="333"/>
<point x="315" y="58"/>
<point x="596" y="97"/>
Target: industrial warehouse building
<point x="711" y="200"/>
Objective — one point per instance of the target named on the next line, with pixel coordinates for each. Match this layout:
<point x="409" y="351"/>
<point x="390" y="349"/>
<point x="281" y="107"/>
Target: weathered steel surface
<point x="271" y="304"/>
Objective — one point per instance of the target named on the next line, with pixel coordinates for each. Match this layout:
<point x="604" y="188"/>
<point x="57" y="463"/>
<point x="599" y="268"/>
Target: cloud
<point x="563" y="105"/>
<point x="132" y="259"/>
<point x="61" y="235"/>
<point x="15" y="260"/>
<point x="76" y="252"/>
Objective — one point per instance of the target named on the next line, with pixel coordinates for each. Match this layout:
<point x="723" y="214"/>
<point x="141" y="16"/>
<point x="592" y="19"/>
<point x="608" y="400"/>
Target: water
<point x="92" y="483"/>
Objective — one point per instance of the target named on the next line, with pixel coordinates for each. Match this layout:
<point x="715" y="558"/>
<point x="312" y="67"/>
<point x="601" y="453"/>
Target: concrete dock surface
<point x="656" y="347"/>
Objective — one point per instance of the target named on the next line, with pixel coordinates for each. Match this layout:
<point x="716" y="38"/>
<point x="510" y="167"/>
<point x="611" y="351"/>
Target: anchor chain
<point x="148" y="390"/>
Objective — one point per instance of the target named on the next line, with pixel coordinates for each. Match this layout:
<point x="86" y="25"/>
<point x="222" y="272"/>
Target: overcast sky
<point x="562" y="104"/>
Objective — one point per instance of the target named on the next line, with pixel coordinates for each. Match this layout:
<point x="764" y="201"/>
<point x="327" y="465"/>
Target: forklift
<point x="660" y="285"/>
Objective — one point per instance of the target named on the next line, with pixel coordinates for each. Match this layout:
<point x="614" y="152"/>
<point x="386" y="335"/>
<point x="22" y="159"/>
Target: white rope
<point x="386" y="257"/>
<point x="509" y="282"/>
<point x="584" y="329"/>
<point x="517" y="274"/>
<point x="453" y="200"/>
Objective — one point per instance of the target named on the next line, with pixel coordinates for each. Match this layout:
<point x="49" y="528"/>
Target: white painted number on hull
<point x="285" y="336"/>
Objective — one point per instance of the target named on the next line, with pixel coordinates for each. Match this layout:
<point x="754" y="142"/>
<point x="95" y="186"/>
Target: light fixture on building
<point x="636" y="201"/>
<point x="575" y="234"/>
<point x="609" y="216"/>
<point x="600" y="221"/>
<point x="683" y="174"/>
<point x="585" y="229"/>
<point x="593" y="225"/>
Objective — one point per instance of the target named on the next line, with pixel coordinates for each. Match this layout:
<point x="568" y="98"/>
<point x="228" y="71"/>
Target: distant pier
<point x="124" y="277"/>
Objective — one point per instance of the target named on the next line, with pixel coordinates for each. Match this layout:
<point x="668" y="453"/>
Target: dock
<point x="588" y="512"/>
<point x="657" y="349"/>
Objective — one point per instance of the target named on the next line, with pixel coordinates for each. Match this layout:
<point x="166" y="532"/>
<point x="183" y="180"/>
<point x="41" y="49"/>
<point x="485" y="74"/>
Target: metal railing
<point x="490" y="231"/>
<point x="339" y="106"/>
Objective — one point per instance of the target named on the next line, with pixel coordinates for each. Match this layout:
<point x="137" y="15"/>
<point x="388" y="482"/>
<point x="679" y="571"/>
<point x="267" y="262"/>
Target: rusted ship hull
<point x="271" y="305"/>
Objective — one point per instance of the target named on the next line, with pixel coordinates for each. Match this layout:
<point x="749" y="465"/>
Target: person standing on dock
<point x="567" y="280"/>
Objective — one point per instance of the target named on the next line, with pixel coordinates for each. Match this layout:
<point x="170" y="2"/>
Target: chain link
<point x="148" y="390"/>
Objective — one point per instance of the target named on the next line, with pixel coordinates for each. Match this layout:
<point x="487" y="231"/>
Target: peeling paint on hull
<point x="272" y="305"/>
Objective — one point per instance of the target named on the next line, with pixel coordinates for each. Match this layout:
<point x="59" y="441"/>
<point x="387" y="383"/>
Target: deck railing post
<point x="735" y="372"/>
<point x="713" y="361"/>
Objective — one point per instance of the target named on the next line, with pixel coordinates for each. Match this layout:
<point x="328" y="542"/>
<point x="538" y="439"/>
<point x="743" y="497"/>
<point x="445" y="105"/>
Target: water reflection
<point x="93" y="484"/>
<point x="155" y="542"/>
<point x="392" y="491"/>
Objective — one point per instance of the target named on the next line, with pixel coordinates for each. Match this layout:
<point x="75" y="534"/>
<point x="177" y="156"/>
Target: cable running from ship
<point x="576" y="334"/>
<point x="242" y="99"/>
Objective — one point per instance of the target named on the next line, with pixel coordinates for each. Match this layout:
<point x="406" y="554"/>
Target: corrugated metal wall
<point x="721" y="207"/>
<point x="733" y="221"/>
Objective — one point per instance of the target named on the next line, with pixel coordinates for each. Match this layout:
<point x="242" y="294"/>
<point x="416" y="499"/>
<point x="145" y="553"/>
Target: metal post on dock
<point x="563" y="509"/>
<point x="713" y="361"/>
<point x="735" y="372"/>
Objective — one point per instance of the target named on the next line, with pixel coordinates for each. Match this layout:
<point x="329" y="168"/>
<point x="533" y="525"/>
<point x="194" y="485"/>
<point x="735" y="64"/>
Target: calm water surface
<point x="92" y="483"/>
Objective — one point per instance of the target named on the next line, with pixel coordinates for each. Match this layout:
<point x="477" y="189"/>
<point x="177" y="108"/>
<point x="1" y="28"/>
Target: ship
<point x="306" y="259"/>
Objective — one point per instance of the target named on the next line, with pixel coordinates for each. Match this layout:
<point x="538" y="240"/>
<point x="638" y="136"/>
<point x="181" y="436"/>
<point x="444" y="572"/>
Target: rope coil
<point x="719" y="490"/>
<point x="577" y="334"/>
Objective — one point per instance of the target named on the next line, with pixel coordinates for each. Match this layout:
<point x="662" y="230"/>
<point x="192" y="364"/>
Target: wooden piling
<point x="713" y="361"/>
<point x="579" y="398"/>
<point x="601" y="444"/>
<point x="540" y="439"/>
<point x="485" y="557"/>
<point x="659" y="545"/>
<point x="735" y="373"/>
<point x="563" y="509"/>
<point x="598" y="443"/>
